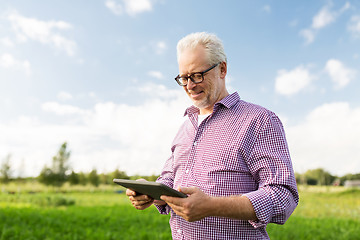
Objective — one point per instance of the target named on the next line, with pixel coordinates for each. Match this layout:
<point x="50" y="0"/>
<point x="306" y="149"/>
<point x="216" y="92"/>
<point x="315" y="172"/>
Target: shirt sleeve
<point x="167" y="178"/>
<point x="270" y="165"/>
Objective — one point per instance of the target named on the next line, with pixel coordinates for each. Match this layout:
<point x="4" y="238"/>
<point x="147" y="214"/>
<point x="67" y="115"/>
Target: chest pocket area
<point x="221" y="171"/>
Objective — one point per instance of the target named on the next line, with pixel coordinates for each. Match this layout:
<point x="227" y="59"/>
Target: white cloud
<point x="63" y="96"/>
<point x="291" y="82"/>
<point x="6" y="42"/>
<point x="156" y="74"/>
<point x="131" y="7"/>
<point x="116" y="8"/>
<point x="339" y="74"/>
<point x="45" y="32"/>
<point x="61" y="109"/>
<point x="294" y="23"/>
<point x="267" y="8"/>
<point x="160" y="47"/>
<point x="322" y="19"/>
<point x="308" y="34"/>
<point x="354" y="26"/>
<point x="328" y="138"/>
<point x="136" y="138"/>
<point x="9" y="62"/>
<point x="134" y="7"/>
<point x="160" y="91"/>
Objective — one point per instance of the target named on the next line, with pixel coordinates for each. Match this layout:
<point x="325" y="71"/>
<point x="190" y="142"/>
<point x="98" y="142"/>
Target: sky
<point x="99" y="75"/>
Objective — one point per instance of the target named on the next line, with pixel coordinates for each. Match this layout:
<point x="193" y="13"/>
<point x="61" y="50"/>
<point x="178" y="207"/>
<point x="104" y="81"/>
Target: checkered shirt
<point x="239" y="149"/>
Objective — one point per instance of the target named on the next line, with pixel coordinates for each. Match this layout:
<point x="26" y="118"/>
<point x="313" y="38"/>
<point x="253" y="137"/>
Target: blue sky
<point x="100" y="75"/>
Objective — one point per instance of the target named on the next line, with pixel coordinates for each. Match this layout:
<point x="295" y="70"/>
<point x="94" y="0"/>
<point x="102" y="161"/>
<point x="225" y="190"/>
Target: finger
<point x="172" y="200"/>
<point x="177" y="209"/>
<point x="142" y="203"/>
<point x="141" y="199"/>
<point x="138" y="202"/>
<point x="130" y="192"/>
<point x="188" y="190"/>
<point x="141" y="206"/>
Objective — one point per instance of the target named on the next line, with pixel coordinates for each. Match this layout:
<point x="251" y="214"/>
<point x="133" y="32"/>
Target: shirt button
<point x="179" y="231"/>
<point x="187" y="171"/>
<point x="195" y="143"/>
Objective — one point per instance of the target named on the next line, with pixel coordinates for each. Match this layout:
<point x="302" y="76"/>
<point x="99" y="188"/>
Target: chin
<point x="200" y="104"/>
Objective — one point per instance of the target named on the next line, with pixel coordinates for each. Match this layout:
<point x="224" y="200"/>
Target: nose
<point x="190" y="85"/>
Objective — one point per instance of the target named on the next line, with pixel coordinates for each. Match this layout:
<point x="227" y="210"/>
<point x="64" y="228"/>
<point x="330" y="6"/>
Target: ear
<point x="223" y="70"/>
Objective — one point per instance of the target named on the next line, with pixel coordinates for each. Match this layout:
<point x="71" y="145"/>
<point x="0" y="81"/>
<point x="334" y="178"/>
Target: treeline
<point x="60" y="172"/>
<point x="322" y="177"/>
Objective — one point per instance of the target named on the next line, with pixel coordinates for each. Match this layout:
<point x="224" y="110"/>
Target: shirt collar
<point x="227" y="102"/>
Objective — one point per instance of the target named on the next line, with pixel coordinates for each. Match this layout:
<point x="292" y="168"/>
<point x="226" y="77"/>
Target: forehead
<point x="193" y="60"/>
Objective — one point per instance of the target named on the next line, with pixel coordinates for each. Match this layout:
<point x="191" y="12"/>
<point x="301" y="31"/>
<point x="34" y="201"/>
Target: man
<point x="230" y="157"/>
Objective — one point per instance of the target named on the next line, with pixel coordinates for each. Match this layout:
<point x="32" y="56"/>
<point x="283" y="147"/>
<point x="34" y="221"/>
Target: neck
<point x="209" y="109"/>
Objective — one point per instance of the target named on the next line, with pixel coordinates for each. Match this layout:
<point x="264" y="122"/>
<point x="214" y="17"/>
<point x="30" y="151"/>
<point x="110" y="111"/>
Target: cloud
<point x="61" y="109"/>
<point x="339" y="74"/>
<point x="7" y="42"/>
<point x="134" y="7"/>
<point x="308" y="34"/>
<point x="159" y="91"/>
<point x="114" y="7"/>
<point x="291" y="82"/>
<point x="45" y="32"/>
<point x="9" y="62"/>
<point x="131" y="7"/>
<point x="328" y="138"/>
<point x="294" y="23"/>
<point x="156" y="74"/>
<point x="108" y="135"/>
<point x="160" y="47"/>
<point x="322" y="19"/>
<point x="266" y="8"/>
<point x="354" y="26"/>
<point x="63" y="96"/>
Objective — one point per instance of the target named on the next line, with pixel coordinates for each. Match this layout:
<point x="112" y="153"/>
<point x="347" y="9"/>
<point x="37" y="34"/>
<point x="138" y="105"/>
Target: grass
<point x="82" y="223"/>
<point x="68" y="213"/>
<point x="81" y="216"/>
<point x="323" y="213"/>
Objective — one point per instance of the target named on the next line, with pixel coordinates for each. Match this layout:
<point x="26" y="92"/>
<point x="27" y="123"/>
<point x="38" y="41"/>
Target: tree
<point x="119" y="174"/>
<point x="56" y="175"/>
<point x="5" y="170"/>
<point x="94" y="178"/>
<point x="349" y="176"/>
<point x="60" y="160"/>
<point x="82" y="178"/>
<point x="319" y="177"/>
<point x="73" y="178"/>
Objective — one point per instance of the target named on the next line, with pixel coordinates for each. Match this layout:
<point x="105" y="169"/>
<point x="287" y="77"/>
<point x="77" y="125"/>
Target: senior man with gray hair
<point x="230" y="157"/>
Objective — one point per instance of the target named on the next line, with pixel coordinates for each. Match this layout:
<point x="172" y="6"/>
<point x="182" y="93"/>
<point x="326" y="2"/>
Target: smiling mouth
<point x="196" y="95"/>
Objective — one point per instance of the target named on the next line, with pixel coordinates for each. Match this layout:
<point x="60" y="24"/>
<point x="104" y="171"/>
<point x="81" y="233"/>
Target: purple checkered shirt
<point x="239" y="149"/>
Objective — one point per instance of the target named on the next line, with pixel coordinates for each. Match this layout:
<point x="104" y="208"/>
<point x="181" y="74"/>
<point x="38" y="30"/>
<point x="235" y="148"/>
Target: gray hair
<point x="213" y="46"/>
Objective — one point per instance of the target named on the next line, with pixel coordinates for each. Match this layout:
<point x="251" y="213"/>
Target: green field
<point x="101" y="213"/>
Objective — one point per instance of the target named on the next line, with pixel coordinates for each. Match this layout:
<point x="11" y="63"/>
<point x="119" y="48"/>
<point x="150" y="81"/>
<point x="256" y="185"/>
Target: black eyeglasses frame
<point x="178" y="77"/>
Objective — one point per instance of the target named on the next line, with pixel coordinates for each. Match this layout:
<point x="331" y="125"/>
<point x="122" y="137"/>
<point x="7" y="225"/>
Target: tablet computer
<point x="152" y="189"/>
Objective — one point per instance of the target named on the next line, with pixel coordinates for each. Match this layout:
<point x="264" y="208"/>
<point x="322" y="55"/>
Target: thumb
<point x="188" y="190"/>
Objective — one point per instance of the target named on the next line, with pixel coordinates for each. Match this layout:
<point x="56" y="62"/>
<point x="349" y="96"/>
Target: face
<point x="205" y="94"/>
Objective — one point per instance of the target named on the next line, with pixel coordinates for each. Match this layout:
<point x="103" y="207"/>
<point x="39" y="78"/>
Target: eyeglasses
<point x="196" y="77"/>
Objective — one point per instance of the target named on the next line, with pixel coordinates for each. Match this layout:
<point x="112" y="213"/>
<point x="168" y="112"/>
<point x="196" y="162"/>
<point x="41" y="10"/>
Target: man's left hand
<point x="193" y="208"/>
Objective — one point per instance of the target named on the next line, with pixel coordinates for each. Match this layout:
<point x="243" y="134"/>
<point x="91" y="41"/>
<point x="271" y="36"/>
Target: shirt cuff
<point x="262" y="205"/>
<point x="163" y="209"/>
